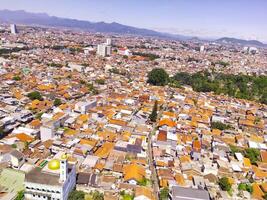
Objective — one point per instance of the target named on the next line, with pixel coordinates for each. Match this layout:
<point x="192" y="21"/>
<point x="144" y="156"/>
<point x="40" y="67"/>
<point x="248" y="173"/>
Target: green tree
<point x="96" y="195"/>
<point x="252" y="154"/>
<point x="76" y="195"/>
<point x="158" y="76"/>
<point x="57" y="102"/>
<point x="143" y="182"/>
<point x="100" y="81"/>
<point x="16" y="78"/>
<point x="153" y="116"/>
<point x="20" y="195"/>
<point x="245" y="187"/>
<point x="35" y="95"/>
<point x="164" y="194"/>
<point x="225" y="184"/>
<point x="219" y="125"/>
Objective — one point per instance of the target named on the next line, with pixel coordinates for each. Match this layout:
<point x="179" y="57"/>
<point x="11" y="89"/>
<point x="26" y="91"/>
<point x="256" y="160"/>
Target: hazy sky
<point x="209" y="18"/>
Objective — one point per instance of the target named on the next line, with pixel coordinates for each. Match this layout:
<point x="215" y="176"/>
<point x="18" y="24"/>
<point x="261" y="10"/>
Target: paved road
<point x="154" y="176"/>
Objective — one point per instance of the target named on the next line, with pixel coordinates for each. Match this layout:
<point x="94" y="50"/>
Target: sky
<point x="245" y="19"/>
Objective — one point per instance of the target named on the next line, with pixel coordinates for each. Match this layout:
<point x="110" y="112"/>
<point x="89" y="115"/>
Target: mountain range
<point x="227" y="40"/>
<point x="43" y="19"/>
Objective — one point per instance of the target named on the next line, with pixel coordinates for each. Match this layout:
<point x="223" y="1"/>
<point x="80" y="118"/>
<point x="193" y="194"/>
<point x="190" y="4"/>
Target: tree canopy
<point x="164" y="194"/>
<point x="35" y="95"/>
<point x="76" y="195"/>
<point x="158" y="76"/>
<point x="153" y="116"/>
<point x="57" y="102"/>
<point x="225" y="184"/>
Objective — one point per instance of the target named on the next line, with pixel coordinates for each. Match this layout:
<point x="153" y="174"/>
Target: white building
<point x="76" y="67"/>
<point x="202" y="48"/>
<point x="13" y="29"/>
<point x="54" y="182"/>
<point x="84" y="106"/>
<point x="103" y="50"/>
<point x="48" y="130"/>
<point x="109" y="42"/>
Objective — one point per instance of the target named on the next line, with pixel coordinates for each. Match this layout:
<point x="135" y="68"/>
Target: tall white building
<point x="13" y="29"/>
<point x="202" y="48"/>
<point x="103" y="50"/>
<point x="54" y="182"/>
<point x="109" y="42"/>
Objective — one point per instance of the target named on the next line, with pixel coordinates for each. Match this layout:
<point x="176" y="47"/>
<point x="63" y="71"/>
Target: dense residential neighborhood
<point x="107" y="116"/>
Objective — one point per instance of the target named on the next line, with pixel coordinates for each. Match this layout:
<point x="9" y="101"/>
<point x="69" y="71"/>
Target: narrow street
<point x="154" y="176"/>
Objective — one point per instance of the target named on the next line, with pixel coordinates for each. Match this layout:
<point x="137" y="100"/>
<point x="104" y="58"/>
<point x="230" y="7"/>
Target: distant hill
<point x="227" y="40"/>
<point x="42" y="19"/>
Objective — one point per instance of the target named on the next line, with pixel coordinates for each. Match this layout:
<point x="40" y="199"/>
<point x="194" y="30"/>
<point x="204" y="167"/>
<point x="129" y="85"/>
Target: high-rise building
<point x="13" y="29"/>
<point x="103" y="50"/>
<point x="202" y="48"/>
<point x="109" y="42"/>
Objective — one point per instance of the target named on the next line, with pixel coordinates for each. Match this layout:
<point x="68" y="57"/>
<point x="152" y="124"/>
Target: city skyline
<point x="242" y="19"/>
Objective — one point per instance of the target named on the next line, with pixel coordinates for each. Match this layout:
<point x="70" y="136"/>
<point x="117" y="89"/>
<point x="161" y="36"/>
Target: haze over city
<point x="243" y="19"/>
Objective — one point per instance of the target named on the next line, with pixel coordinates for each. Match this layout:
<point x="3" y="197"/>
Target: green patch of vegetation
<point x="14" y="146"/>
<point x="150" y="56"/>
<point x="164" y="194"/>
<point x="16" y="78"/>
<point x="92" y="89"/>
<point x="35" y="95"/>
<point x="238" y="86"/>
<point x="144" y="182"/>
<point x="20" y="195"/>
<point x="245" y="187"/>
<point x="100" y="81"/>
<point x="225" y="184"/>
<point x="158" y="76"/>
<point x="96" y="195"/>
<point x="57" y="102"/>
<point x="57" y="65"/>
<point x="39" y="115"/>
<point x="252" y="154"/>
<point x="154" y="114"/>
<point x="219" y="125"/>
<point x="126" y="196"/>
<point x="76" y="195"/>
<point x="235" y="149"/>
<point x="223" y="63"/>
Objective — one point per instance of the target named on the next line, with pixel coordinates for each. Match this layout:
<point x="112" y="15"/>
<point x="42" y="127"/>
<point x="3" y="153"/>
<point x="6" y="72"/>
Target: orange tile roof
<point x="104" y="150"/>
<point x="35" y="123"/>
<point x="264" y="156"/>
<point x="118" y="122"/>
<point x="196" y="145"/>
<point x="145" y="191"/>
<point x="167" y="122"/>
<point x="24" y="137"/>
<point x="257" y="193"/>
<point x="134" y="172"/>
<point x="246" y="163"/>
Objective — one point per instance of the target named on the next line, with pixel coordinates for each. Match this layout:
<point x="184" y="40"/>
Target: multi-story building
<point x="104" y="49"/>
<point x="54" y="182"/>
<point x="13" y="29"/>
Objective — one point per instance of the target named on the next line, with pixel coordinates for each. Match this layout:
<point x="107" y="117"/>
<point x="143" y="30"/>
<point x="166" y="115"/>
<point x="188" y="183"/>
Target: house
<point x="17" y="159"/>
<point x="180" y="193"/>
<point x="133" y="173"/>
